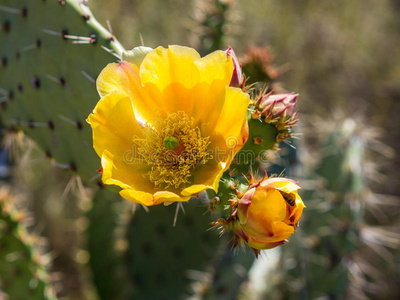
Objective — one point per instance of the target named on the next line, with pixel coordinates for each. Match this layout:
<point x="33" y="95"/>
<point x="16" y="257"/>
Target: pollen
<point x="172" y="147"/>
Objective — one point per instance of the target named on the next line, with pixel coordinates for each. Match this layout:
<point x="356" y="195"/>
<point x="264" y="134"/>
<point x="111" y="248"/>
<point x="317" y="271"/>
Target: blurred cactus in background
<point x="75" y="238"/>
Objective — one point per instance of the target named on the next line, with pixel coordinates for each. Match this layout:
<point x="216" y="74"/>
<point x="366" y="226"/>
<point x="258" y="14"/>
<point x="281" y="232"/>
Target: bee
<point x="289" y="198"/>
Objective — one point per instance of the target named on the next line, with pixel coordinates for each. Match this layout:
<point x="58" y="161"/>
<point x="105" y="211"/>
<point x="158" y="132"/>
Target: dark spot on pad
<point x="48" y="154"/>
<point x="79" y="125"/>
<point x="4" y="61"/>
<point x="31" y="124"/>
<point x="72" y="167"/>
<point x="17" y="55"/>
<point x="100" y="184"/>
<point x="38" y="43"/>
<point x="20" y="87"/>
<point x="50" y="124"/>
<point x="6" y="26"/>
<point x="62" y="81"/>
<point x="24" y="12"/>
<point x="64" y="32"/>
<point x="35" y="82"/>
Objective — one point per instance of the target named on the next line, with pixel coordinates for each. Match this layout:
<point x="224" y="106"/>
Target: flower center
<point x="172" y="147"/>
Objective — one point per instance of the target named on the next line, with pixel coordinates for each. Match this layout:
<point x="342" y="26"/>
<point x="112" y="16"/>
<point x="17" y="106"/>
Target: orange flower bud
<point x="268" y="213"/>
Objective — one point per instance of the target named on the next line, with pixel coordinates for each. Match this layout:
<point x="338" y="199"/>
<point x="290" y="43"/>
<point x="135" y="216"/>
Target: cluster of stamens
<point x="172" y="147"/>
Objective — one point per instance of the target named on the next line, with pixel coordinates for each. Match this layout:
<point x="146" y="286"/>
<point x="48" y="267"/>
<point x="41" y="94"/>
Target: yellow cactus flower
<point x="268" y="213"/>
<point x="168" y="124"/>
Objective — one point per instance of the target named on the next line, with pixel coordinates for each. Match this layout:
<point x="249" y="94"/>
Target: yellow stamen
<point x="168" y="166"/>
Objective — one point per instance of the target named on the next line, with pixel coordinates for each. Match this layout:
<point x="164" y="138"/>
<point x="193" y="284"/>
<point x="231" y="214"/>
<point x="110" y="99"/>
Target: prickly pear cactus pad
<point x="51" y="53"/>
<point x="163" y="260"/>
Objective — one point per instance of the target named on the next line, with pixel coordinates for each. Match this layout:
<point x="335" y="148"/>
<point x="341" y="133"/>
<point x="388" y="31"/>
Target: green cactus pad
<point x="162" y="259"/>
<point x="105" y="260"/>
<point x="51" y="54"/>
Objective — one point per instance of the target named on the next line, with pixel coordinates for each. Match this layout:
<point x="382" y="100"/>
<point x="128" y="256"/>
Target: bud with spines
<point x="278" y="110"/>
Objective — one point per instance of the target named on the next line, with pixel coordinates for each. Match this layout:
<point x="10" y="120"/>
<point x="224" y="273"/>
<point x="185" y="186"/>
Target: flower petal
<point x="113" y="123"/>
<point x="124" y="173"/>
<point x="216" y="66"/>
<point x="117" y="77"/>
<point x="148" y="199"/>
<point x="204" y="177"/>
<point x="165" y="66"/>
<point x="228" y="136"/>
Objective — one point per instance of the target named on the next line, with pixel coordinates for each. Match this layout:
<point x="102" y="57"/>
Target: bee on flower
<point x="163" y="117"/>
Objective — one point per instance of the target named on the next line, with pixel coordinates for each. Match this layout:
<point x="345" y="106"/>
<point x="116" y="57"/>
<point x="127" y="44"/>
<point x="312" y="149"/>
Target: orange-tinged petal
<point x="113" y="123"/>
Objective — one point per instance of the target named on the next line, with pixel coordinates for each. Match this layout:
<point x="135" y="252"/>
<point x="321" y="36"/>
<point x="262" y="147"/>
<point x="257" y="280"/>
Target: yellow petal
<point x="282" y="184"/>
<point x="204" y="177"/>
<point x="148" y="199"/>
<point x="137" y="196"/>
<point x="227" y="137"/>
<point x="175" y="64"/>
<point x="267" y="206"/>
<point x="126" y="174"/>
<point x="216" y="66"/>
<point x="117" y="77"/>
<point x="113" y="124"/>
